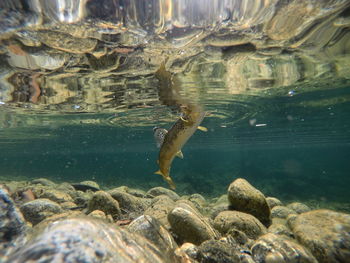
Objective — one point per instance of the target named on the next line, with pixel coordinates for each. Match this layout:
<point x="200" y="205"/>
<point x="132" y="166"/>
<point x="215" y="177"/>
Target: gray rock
<point x="245" y="198"/>
<point x="275" y="248"/>
<point x="281" y="211"/>
<point x="217" y="251"/>
<point x="103" y="201"/>
<point x="246" y="223"/>
<point x="325" y="233"/>
<point x="163" y="191"/>
<point x="151" y="229"/>
<point x="43" y="181"/>
<point x="56" y="196"/>
<point x="130" y="205"/>
<point x="299" y="207"/>
<point x="189" y="225"/>
<point x="160" y="208"/>
<point x="272" y="202"/>
<point x="39" y="209"/>
<point x="12" y="225"/>
<point x="87" y="240"/>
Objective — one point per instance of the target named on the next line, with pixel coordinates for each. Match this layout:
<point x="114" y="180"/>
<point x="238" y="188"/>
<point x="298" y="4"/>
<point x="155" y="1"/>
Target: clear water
<point x="280" y="119"/>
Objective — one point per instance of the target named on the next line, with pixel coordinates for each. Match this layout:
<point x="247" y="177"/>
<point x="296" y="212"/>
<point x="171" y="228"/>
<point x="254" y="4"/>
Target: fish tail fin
<point x="167" y="178"/>
<point x="180" y="154"/>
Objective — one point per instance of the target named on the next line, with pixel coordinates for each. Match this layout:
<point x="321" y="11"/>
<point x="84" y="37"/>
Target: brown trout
<point x="172" y="141"/>
<point x="177" y="137"/>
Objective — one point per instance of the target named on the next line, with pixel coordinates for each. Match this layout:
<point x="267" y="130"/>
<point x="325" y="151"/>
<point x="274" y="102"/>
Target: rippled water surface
<point x="79" y="96"/>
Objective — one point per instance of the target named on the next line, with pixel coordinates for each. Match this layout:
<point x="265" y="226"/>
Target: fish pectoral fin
<point x="180" y="154"/>
<point x="202" y="128"/>
<point x="159" y="172"/>
<point x="182" y="118"/>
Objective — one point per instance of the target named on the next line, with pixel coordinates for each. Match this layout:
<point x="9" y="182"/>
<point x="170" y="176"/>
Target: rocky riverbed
<point x="41" y="221"/>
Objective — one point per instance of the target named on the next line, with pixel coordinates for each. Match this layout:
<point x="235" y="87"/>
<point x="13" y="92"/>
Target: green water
<point x="291" y="147"/>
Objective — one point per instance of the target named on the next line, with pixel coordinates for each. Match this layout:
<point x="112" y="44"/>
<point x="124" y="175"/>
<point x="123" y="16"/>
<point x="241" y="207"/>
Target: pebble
<point x="103" y="201"/>
<point x="37" y="210"/>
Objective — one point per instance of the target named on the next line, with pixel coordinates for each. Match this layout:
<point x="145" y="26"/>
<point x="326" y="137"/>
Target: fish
<point x="176" y="138"/>
<point x="159" y="135"/>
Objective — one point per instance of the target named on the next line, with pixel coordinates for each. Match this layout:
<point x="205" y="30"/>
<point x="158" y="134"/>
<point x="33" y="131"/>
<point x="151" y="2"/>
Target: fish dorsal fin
<point x="180" y="154"/>
<point x="202" y="128"/>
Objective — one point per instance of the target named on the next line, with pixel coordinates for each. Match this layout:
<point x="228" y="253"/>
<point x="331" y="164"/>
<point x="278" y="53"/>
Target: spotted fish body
<point x="177" y="137"/>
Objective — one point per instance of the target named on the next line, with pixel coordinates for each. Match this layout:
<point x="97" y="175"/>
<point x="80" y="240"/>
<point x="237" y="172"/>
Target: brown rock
<point x="275" y="248"/>
<point x="103" y="201"/>
<point x="245" y="198"/>
<point x="326" y="233"/>
<point x="246" y="223"/>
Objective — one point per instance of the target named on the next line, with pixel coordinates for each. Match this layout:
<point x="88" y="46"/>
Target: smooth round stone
<point x="129" y="204"/>
<point x="163" y="191"/>
<point x="85" y="239"/>
<point x="151" y="229"/>
<point x="103" y="201"/>
<point x="273" y="201"/>
<point x="39" y="209"/>
<point x="246" y="198"/>
<point x="43" y="181"/>
<point x="274" y="248"/>
<point x="279" y="229"/>
<point x="299" y="207"/>
<point x="98" y="214"/>
<point x="56" y="196"/>
<point x="160" y="208"/>
<point x="217" y="251"/>
<point x="189" y="225"/>
<point x="325" y="233"/>
<point x="246" y="223"/>
<point x="281" y="212"/>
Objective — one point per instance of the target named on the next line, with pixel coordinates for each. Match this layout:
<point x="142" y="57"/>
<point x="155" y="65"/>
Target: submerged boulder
<point x="189" y="225"/>
<point x="12" y="225"/>
<point x="218" y="251"/>
<point x="151" y="229"/>
<point x="248" y="224"/>
<point x="156" y="191"/>
<point x="130" y="205"/>
<point x="103" y="201"/>
<point x="246" y="198"/>
<point x="160" y="208"/>
<point x="37" y="210"/>
<point x="326" y="233"/>
<point x="275" y="248"/>
<point x="87" y="240"/>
